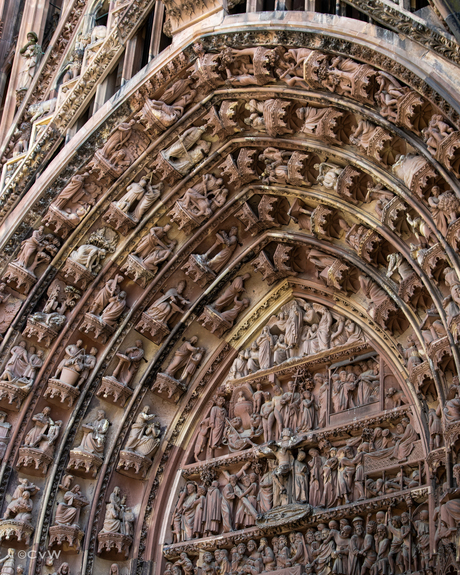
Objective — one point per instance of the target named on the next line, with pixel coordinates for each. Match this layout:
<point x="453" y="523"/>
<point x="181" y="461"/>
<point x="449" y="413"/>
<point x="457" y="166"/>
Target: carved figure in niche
<point x="44" y="433"/>
<point x="247" y="66"/>
<point x="74" y="192"/>
<point x="389" y="95"/>
<point x="74" y="369"/>
<point x="383" y="197"/>
<point x="308" y="414"/>
<point x="301" y="473"/>
<point x="5" y="429"/>
<point x="435" y="427"/>
<point x="280" y="351"/>
<point x="68" y="510"/>
<point x="451" y="303"/>
<point x="187" y="357"/>
<point x="227" y="245"/>
<point x="20" y="506"/>
<point x="110" y="289"/>
<point x="7" y="563"/>
<point x="114" y="309"/>
<point x="316" y="480"/>
<point x="29" y="248"/>
<point x="328" y="175"/>
<point x="444" y="207"/>
<point x="230" y="493"/>
<point x="88" y="256"/>
<point x="345" y="476"/>
<point x="140" y="196"/>
<point x="341" y="75"/>
<point x="236" y="437"/>
<point x="188" y="151"/>
<point x="217" y="421"/>
<point x="94" y="434"/>
<point x="64" y="569"/>
<point x="396" y="397"/>
<point x="329" y="495"/>
<point x="144" y="434"/>
<point x="128" y="363"/>
<point x="422" y="530"/>
<point x="30" y="53"/>
<point x="265" y="345"/>
<point x="213" y="517"/>
<point x="199" y="202"/>
<point x="22" y="366"/>
<point x="155" y="248"/>
<point x="247" y="504"/>
<point x="405" y="440"/>
<point x="412" y="355"/>
<point x="421" y="230"/>
<point x="451" y="408"/>
<point x="118" y="138"/>
<point x="163" y="113"/>
<point x="435" y="133"/>
<point x="170" y="303"/>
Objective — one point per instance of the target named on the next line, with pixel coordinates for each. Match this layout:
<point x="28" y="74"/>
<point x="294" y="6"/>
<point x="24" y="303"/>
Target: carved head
<point x="252" y="545"/>
<point x="32" y="37"/>
<point x="207" y="557"/>
<point x="145" y="409"/>
<point x="201" y="490"/>
<point x="424" y="515"/>
<point x="346" y="531"/>
<point x="343" y="375"/>
<point x="333" y="524"/>
<point x="3" y="418"/>
<point x="301" y="455"/>
<point x="100" y="414"/>
<point x="191" y="487"/>
<point x="241" y="547"/>
<point x="46" y="410"/>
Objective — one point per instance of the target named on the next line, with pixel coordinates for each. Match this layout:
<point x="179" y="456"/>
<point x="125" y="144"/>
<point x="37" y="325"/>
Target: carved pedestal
<point x="77" y="273"/>
<point x="133" y="465"/>
<point x="58" y="392"/>
<point x="12" y="396"/>
<point x="66" y="536"/>
<point x="84" y="464"/>
<point x="118" y="220"/>
<point x="198" y="272"/>
<point x="95" y="328"/>
<point x="34" y="461"/>
<point x="421" y="374"/>
<point x="211" y="320"/>
<point x="40" y="331"/>
<point x="185" y="219"/>
<point x="101" y="164"/>
<point x="157" y="330"/>
<point x="117" y="542"/>
<point x="164" y="170"/>
<point x="134" y="268"/>
<point x="24" y="279"/>
<point x="59" y="221"/>
<point x="12" y="529"/>
<point x="168" y="387"/>
<point x="112" y="387"/>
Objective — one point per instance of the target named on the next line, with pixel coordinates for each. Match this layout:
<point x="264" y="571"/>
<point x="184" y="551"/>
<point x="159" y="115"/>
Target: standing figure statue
<point x="30" y="53"/>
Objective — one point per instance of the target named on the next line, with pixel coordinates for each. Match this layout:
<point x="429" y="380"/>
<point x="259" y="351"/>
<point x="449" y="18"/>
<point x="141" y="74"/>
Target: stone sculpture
<point x="117" y="530"/>
<point x="117" y="384"/>
<point x="37" y="451"/>
<point x="153" y="249"/>
<point x="219" y="317"/>
<point x="87" y="457"/>
<point x="142" y="443"/>
<point x="180" y="371"/>
<point x="155" y="320"/>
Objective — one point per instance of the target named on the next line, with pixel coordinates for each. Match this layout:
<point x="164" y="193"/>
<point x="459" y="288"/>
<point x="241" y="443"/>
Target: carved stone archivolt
<point x="324" y="436"/>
